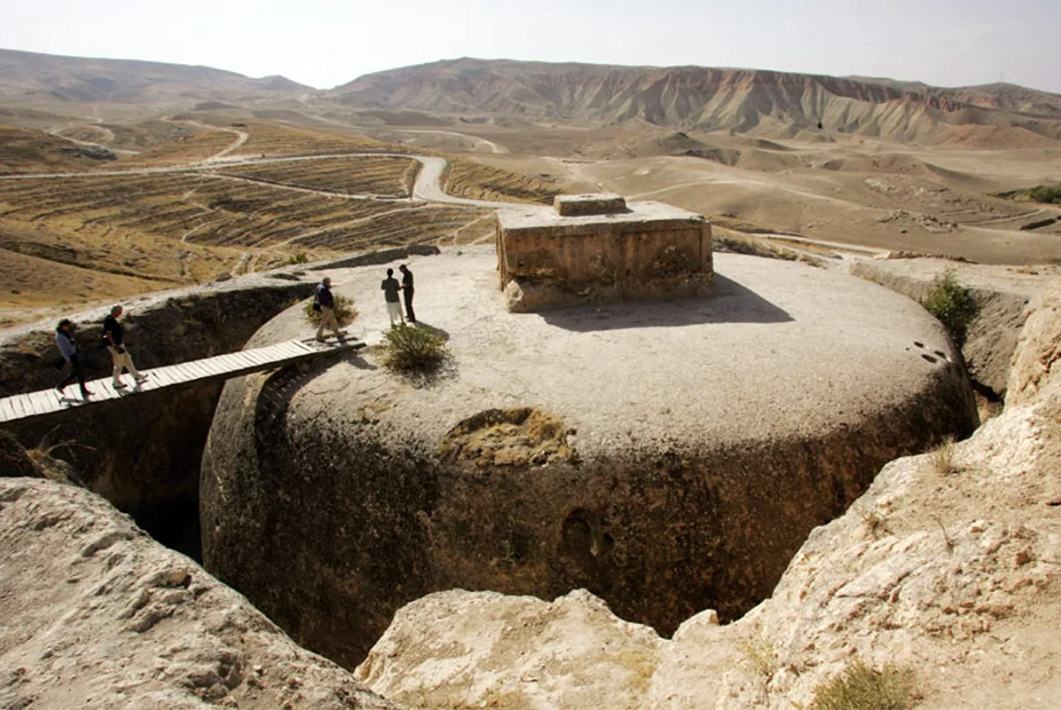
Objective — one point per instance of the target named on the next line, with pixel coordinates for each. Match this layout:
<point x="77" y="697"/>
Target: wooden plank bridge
<point x="50" y="403"/>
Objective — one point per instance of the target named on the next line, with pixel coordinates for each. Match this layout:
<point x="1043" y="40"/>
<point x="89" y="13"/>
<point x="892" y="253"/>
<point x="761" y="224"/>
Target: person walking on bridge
<point x="407" y="292"/>
<point x="326" y="301"/>
<point x="114" y="339"/>
<point x="64" y="339"/>
<point x="390" y="288"/>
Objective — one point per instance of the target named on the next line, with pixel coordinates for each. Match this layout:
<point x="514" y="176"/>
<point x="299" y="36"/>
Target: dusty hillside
<point x="28" y="77"/>
<point x="739" y="100"/>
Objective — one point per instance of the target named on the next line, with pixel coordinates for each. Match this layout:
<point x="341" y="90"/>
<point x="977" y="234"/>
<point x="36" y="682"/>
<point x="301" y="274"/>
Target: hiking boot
<point x="118" y="385"/>
<point x="140" y="377"/>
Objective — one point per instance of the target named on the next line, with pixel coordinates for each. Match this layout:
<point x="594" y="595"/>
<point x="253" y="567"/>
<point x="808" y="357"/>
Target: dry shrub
<point x="345" y="312"/>
<point x="409" y="349"/>
<point x="861" y="687"/>
<point x="943" y="458"/>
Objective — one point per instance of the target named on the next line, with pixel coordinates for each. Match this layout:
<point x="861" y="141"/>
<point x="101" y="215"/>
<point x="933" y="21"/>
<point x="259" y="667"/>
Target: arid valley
<point x="802" y="478"/>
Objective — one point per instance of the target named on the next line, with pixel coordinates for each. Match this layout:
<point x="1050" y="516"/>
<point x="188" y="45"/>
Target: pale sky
<point x="325" y="43"/>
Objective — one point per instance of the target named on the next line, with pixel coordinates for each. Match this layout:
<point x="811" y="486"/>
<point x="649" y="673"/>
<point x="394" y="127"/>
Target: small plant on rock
<point x="953" y="305"/>
<point x="410" y="349"/>
<point x="874" y="522"/>
<point x="861" y="687"/>
<point x="760" y="655"/>
<point x="943" y="458"/>
<point x="345" y="312"/>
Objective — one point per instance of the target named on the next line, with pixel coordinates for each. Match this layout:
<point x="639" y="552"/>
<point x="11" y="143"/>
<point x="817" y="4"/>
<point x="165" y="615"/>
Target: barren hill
<point x="28" y="76"/>
<point x="738" y="100"/>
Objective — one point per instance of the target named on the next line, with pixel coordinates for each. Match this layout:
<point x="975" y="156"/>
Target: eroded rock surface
<point x="95" y="614"/>
<point x="949" y="565"/>
<point x="1001" y="292"/>
<point x="680" y="455"/>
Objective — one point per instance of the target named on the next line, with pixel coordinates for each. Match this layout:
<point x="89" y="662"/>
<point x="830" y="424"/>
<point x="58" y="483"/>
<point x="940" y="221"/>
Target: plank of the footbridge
<point x="47" y="403"/>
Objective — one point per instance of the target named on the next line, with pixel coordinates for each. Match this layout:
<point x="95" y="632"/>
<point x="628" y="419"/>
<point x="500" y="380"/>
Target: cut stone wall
<point x="647" y="251"/>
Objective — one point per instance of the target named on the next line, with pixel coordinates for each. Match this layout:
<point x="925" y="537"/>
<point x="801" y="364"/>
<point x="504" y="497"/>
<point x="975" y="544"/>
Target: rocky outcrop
<point x="630" y="451"/>
<point x="97" y="615"/>
<point x="948" y="567"/>
<point x="513" y="652"/>
<point x="1001" y="292"/>
<point x="1037" y="362"/>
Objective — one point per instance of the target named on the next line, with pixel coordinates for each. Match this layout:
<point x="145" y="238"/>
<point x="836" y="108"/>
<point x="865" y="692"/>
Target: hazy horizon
<point x="326" y="43"/>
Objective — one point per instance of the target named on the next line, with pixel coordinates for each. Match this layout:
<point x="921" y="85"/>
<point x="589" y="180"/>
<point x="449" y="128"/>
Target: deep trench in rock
<point x="364" y="529"/>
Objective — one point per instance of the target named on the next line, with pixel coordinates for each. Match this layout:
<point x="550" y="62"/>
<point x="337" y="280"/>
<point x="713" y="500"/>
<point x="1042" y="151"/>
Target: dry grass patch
<point x="345" y="312"/>
<point x="861" y="687"/>
<point x="467" y="178"/>
<point x="519" y="436"/>
<point x="760" y="656"/>
<point x="942" y="458"/>
<point x="376" y="175"/>
<point x="276" y="139"/>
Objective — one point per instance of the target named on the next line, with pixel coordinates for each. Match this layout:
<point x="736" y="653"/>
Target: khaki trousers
<point x="328" y="320"/>
<point x="122" y="360"/>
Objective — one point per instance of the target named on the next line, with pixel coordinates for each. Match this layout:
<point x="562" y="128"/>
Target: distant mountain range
<point x="736" y="100"/>
<point x="26" y="76"/>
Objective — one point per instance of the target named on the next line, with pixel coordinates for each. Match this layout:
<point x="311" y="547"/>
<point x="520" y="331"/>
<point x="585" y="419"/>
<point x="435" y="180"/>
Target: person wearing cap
<point x="113" y="337"/>
<point x="64" y="340"/>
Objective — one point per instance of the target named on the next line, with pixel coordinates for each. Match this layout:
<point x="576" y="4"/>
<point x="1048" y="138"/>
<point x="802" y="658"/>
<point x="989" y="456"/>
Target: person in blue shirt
<point x="64" y="340"/>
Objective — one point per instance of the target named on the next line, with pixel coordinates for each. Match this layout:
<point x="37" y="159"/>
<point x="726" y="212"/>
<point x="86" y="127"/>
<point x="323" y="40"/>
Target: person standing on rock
<point x="407" y="292"/>
<point x="114" y="339"/>
<point x="390" y="288"/>
<point x="64" y="340"/>
<point x="327" y="308"/>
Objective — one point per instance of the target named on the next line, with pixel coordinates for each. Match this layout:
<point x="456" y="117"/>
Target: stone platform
<point x="594" y="249"/>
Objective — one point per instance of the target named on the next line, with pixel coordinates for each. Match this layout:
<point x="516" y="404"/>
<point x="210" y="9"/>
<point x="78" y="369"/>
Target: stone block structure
<point x="598" y="249"/>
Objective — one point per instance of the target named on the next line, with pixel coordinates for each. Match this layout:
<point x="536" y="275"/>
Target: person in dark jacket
<point x="64" y="340"/>
<point x="407" y="292"/>
<point x="326" y="301"/>
<point x="114" y="339"/>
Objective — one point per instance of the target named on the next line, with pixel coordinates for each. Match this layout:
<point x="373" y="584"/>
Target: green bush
<point x="1046" y="193"/>
<point x="411" y="349"/>
<point x="861" y="687"/>
<point x="953" y="305"/>
<point x="299" y="258"/>
<point x="345" y="312"/>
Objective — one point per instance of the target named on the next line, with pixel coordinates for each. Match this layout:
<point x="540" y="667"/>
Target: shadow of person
<point x="433" y="329"/>
<point x="730" y="302"/>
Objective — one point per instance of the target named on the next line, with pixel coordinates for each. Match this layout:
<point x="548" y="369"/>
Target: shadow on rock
<point x="731" y="302"/>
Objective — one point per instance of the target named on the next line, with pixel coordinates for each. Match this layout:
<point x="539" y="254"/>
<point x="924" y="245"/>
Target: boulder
<point x="946" y="570"/>
<point x="667" y="457"/>
<point x="95" y="614"/>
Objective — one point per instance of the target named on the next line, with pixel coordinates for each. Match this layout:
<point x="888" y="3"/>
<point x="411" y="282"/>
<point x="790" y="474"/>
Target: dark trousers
<point x="76" y="373"/>
<point x="409" y="314"/>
